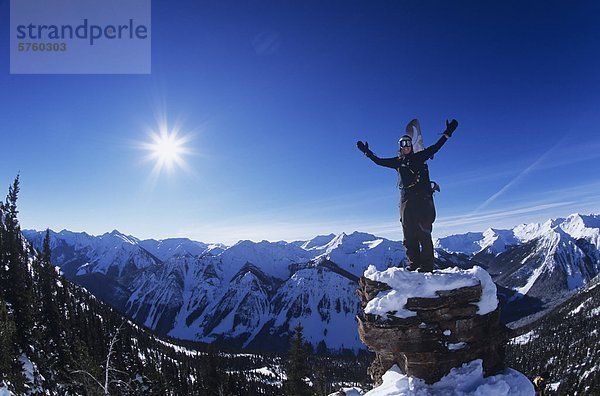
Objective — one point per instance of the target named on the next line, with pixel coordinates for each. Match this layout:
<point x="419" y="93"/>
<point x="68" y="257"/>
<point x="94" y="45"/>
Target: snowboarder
<point x="417" y="211"/>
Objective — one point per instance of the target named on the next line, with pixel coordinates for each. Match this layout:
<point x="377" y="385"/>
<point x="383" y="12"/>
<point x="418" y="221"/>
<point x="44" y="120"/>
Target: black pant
<point x="417" y="214"/>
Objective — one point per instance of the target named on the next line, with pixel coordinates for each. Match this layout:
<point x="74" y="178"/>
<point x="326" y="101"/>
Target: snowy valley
<point x="253" y="295"/>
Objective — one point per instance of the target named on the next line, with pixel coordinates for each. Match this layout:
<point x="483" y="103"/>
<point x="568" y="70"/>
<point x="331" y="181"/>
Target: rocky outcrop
<point x="443" y="332"/>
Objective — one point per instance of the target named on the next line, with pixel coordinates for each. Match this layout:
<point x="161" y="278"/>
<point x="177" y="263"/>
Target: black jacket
<point x="413" y="170"/>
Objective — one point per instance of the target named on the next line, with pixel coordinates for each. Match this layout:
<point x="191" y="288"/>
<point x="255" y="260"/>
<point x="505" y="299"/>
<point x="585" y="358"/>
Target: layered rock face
<point x="428" y="336"/>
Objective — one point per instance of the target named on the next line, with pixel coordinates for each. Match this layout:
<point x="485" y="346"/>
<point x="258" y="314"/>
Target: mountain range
<point x="536" y="266"/>
<point x="252" y="294"/>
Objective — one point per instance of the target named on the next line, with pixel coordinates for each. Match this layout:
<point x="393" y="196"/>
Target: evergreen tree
<point x="55" y="351"/>
<point x="19" y="284"/>
<point x="298" y="367"/>
<point x="212" y="373"/>
<point x="10" y="207"/>
<point x="322" y="378"/>
<point x="10" y="368"/>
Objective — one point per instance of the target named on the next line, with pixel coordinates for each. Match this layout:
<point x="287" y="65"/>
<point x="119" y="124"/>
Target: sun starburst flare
<point x="167" y="149"/>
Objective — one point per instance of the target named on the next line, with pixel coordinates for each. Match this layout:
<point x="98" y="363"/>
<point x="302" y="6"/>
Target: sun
<point x="167" y="149"/>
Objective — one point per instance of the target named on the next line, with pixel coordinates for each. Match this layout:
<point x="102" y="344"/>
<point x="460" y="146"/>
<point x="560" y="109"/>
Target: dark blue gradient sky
<point x="275" y="95"/>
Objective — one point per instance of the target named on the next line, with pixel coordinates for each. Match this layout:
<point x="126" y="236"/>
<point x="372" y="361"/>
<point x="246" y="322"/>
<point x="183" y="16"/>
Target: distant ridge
<point x="252" y="293"/>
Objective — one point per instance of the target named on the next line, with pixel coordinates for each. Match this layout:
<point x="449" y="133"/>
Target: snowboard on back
<point x="413" y="129"/>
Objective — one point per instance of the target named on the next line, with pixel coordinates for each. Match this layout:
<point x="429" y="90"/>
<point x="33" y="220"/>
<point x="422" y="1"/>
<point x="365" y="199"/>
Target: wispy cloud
<point x="518" y="177"/>
<point x="570" y="153"/>
<point x="491" y="217"/>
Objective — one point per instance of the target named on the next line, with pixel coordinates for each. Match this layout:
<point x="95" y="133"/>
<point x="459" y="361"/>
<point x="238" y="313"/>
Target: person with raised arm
<point x="417" y="210"/>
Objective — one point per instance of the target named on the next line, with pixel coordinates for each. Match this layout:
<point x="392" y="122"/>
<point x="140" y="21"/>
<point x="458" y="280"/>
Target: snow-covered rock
<point x="430" y="323"/>
<point x="406" y="284"/>
<point x="467" y="380"/>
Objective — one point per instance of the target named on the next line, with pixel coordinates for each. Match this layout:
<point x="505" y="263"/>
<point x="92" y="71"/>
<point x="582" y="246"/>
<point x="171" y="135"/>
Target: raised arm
<point x="431" y="150"/>
<point x="386" y="162"/>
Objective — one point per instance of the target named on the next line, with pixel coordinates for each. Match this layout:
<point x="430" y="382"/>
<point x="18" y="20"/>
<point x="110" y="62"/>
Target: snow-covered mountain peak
<point x="83" y="254"/>
<point x="492" y="241"/>
<point x="167" y="248"/>
<point x="273" y="258"/>
<point x="489" y="237"/>
<point x="582" y="226"/>
<point x="354" y="252"/>
<point x="247" y="244"/>
<point x="559" y="254"/>
<point x="574" y="226"/>
<point x="265" y="248"/>
<point x="215" y="249"/>
<point x="497" y="233"/>
<point x="335" y="242"/>
<point x="528" y="232"/>
<point x="72" y="238"/>
<point x="116" y="235"/>
<point x="495" y="241"/>
<point x="467" y="243"/>
<point x="318" y="242"/>
<point x="350" y="243"/>
<point x="64" y="232"/>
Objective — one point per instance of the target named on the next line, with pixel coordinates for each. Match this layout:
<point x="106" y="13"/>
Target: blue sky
<point x="274" y="95"/>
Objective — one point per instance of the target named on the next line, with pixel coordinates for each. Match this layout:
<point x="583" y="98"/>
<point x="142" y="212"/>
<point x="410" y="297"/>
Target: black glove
<point x="450" y="127"/>
<point x="364" y="147"/>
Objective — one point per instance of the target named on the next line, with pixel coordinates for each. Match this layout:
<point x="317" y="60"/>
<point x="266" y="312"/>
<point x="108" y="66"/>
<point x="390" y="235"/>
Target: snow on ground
<point x="31" y="374"/>
<point x="554" y="386"/>
<point x="594" y="312"/>
<point x="180" y="349"/>
<point x="534" y="276"/>
<point x="579" y="307"/>
<point x="4" y="391"/>
<point x="30" y="370"/>
<point x="348" y="392"/>
<point x="467" y="380"/>
<point x="265" y="371"/>
<point x="524" y="338"/>
<point x="406" y="284"/>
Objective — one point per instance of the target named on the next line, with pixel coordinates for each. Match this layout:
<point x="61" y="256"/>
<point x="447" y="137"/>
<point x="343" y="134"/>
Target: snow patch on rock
<point x="467" y="380"/>
<point x="406" y="284"/>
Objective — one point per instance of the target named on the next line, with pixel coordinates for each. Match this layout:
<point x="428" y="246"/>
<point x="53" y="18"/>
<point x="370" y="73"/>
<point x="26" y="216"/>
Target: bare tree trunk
<point x="107" y="369"/>
<point x="111" y="346"/>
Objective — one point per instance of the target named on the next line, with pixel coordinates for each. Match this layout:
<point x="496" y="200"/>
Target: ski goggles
<point x="405" y="143"/>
